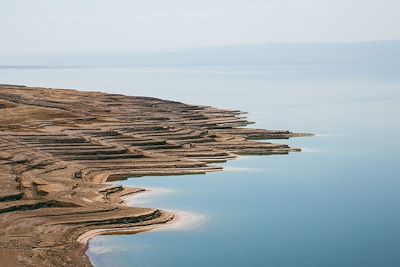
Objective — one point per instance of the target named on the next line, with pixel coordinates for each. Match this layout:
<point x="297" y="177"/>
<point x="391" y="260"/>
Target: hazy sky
<point x="51" y="26"/>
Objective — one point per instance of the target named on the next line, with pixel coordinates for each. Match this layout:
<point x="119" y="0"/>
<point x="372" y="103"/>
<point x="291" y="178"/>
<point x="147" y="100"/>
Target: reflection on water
<point x="334" y="204"/>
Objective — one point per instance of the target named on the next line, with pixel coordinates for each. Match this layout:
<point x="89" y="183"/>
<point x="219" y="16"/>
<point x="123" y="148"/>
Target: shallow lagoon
<point x="334" y="204"/>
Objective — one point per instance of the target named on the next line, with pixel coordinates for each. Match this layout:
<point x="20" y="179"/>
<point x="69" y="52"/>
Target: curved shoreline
<point x="87" y="236"/>
<point x="179" y="221"/>
<point x="58" y="147"/>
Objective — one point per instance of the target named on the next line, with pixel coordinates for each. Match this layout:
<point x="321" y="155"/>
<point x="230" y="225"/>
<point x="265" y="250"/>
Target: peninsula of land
<point x="58" y="148"/>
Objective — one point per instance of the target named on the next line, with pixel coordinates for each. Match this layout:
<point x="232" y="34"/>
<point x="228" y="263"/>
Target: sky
<point x="70" y="26"/>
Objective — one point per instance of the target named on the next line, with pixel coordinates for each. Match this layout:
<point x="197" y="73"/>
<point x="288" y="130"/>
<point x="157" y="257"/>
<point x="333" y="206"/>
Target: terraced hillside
<point x="58" y="148"/>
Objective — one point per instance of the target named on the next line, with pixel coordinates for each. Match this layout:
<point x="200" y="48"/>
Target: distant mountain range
<point x="273" y="53"/>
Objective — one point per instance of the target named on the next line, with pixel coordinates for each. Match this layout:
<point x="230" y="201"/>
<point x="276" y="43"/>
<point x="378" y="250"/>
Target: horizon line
<point x="187" y="49"/>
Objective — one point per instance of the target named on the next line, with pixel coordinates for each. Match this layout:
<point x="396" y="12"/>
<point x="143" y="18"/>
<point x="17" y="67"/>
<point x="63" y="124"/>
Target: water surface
<point x="334" y="204"/>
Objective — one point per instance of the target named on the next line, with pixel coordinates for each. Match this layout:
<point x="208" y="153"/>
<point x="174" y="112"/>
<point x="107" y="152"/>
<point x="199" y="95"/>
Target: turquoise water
<point x="334" y="204"/>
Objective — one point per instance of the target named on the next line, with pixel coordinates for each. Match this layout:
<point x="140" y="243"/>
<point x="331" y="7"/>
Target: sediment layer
<point x="58" y="148"/>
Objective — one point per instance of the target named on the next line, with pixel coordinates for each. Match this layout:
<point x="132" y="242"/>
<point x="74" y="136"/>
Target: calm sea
<point x="334" y="204"/>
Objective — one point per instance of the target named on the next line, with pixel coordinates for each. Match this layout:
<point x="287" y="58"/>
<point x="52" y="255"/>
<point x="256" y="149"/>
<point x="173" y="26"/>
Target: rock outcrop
<point x="59" y="147"/>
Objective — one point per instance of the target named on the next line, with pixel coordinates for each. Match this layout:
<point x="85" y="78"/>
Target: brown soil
<point x="59" y="147"/>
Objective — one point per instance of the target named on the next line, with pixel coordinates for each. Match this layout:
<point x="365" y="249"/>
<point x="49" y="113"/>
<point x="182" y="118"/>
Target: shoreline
<point x="59" y="147"/>
<point x="179" y="220"/>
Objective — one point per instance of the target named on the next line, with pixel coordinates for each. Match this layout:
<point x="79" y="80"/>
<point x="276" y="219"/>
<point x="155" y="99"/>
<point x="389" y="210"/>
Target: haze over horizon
<point x="52" y="27"/>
